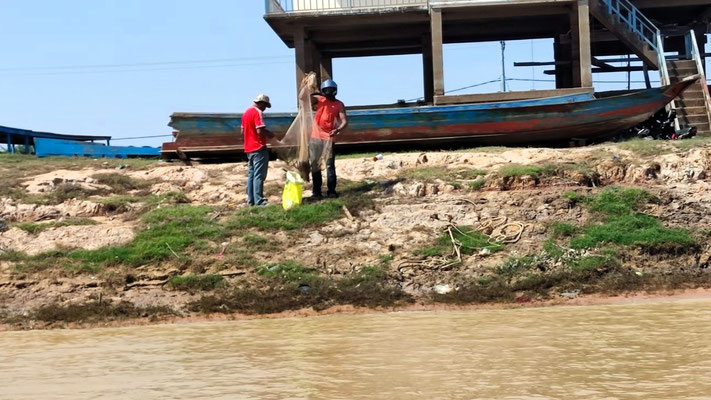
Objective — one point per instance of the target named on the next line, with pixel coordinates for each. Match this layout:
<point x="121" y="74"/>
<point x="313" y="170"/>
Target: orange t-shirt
<point x="326" y="118"/>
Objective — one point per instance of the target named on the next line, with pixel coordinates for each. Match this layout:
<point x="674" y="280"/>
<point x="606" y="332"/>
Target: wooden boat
<point x="577" y="116"/>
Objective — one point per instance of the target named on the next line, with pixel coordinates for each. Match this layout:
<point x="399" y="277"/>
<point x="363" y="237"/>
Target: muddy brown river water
<point x="651" y="350"/>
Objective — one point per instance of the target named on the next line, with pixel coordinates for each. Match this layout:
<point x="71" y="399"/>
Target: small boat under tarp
<point x="552" y="119"/>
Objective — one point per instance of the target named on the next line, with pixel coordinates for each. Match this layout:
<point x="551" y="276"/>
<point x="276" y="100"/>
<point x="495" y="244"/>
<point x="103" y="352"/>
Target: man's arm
<point x="266" y="132"/>
<point x="261" y="127"/>
<point x="344" y="122"/>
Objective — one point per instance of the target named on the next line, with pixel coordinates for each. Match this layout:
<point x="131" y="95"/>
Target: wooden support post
<point x="315" y="61"/>
<point x="563" y="72"/>
<point x="427" y="69"/>
<point x="437" y="51"/>
<point x="580" y="44"/>
<point x="647" y="81"/>
<point x="304" y="57"/>
<point x="326" y="67"/>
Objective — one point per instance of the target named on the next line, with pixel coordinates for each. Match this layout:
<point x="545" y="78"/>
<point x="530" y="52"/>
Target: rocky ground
<point x="93" y="240"/>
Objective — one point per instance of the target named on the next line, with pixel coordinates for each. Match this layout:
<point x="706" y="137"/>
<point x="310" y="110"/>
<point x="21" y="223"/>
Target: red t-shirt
<point x="327" y="117"/>
<point x="252" y="119"/>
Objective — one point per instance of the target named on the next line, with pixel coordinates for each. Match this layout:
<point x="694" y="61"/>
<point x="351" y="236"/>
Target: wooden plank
<point x="509" y="96"/>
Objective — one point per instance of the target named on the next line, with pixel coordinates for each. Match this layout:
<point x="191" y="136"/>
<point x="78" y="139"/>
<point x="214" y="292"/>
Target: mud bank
<point x="88" y="243"/>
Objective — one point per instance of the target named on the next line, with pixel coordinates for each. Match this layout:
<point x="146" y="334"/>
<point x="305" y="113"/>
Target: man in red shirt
<point x="329" y="121"/>
<point x="255" y="146"/>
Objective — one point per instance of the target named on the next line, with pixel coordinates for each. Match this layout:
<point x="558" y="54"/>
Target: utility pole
<point x="503" y="66"/>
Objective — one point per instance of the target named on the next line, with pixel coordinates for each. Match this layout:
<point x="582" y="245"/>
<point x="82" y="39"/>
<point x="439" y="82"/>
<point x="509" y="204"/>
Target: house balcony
<point x="338" y="6"/>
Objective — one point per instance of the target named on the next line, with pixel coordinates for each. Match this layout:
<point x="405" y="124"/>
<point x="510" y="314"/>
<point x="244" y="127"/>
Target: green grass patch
<point x="34" y="228"/>
<point x="619" y="222"/>
<point x="121" y="182"/>
<point x="477" y="184"/>
<point x="631" y="230"/>
<point x="552" y="249"/>
<point x="470" y="239"/>
<point x="119" y="204"/>
<point x="592" y="263"/>
<point x="289" y="272"/>
<point x="197" y="282"/>
<point x="275" y="218"/>
<point x="646" y="148"/>
<point x="618" y="200"/>
<point x="125" y="203"/>
<point x="688" y="144"/>
<point x="167" y="230"/>
<point x="254" y="242"/>
<point x="516" y="170"/>
<point x="62" y="193"/>
<point x="515" y="265"/>
<point x="562" y="229"/>
<point x="47" y="164"/>
<point x="365" y="276"/>
<point x="240" y="257"/>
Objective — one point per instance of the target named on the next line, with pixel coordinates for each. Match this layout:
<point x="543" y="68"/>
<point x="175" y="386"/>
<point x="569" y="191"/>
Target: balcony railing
<point x="292" y="6"/>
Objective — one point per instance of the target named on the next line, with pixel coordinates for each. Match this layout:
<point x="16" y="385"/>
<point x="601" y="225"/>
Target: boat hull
<point x="519" y="122"/>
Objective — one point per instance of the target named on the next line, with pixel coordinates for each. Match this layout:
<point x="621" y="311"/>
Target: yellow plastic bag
<point x="293" y="191"/>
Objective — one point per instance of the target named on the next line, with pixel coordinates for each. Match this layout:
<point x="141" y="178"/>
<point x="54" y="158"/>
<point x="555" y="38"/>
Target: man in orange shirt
<point x="329" y="121"/>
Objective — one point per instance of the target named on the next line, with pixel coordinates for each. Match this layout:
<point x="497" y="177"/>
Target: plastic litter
<point x="443" y="289"/>
<point x="293" y="191"/>
<point x="378" y="157"/>
<point x="572" y="294"/>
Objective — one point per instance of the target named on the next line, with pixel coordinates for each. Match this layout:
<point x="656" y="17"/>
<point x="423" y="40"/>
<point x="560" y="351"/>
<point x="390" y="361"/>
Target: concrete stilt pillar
<point x="580" y="44"/>
<point x="427" y="69"/>
<point x="437" y="51"/>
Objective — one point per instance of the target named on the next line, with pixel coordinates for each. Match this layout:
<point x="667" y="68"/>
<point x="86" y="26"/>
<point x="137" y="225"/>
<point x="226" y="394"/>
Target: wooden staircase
<point x="692" y="106"/>
<point x="632" y="28"/>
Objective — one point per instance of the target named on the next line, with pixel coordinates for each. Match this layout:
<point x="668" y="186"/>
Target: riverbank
<point x="93" y="242"/>
<point x="578" y="301"/>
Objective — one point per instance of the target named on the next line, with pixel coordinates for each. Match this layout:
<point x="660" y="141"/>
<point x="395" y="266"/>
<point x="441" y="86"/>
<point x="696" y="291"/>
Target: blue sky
<point x="121" y="67"/>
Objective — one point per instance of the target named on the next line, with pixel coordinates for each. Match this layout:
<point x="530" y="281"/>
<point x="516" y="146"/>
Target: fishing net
<point x="296" y="147"/>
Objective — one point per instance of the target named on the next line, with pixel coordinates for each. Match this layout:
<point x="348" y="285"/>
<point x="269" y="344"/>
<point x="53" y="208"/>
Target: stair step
<point x="687" y="102"/>
<point x="681" y="64"/>
<point x="695" y="89"/>
<point x="682" y="72"/>
<point x="693" y="97"/>
<point x="695" y="120"/>
<point x="691" y="111"/>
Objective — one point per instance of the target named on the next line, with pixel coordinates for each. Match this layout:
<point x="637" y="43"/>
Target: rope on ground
<point x="498" y="230"/>
<point x="433" y="263"/>
<point x="508" y="233"/>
